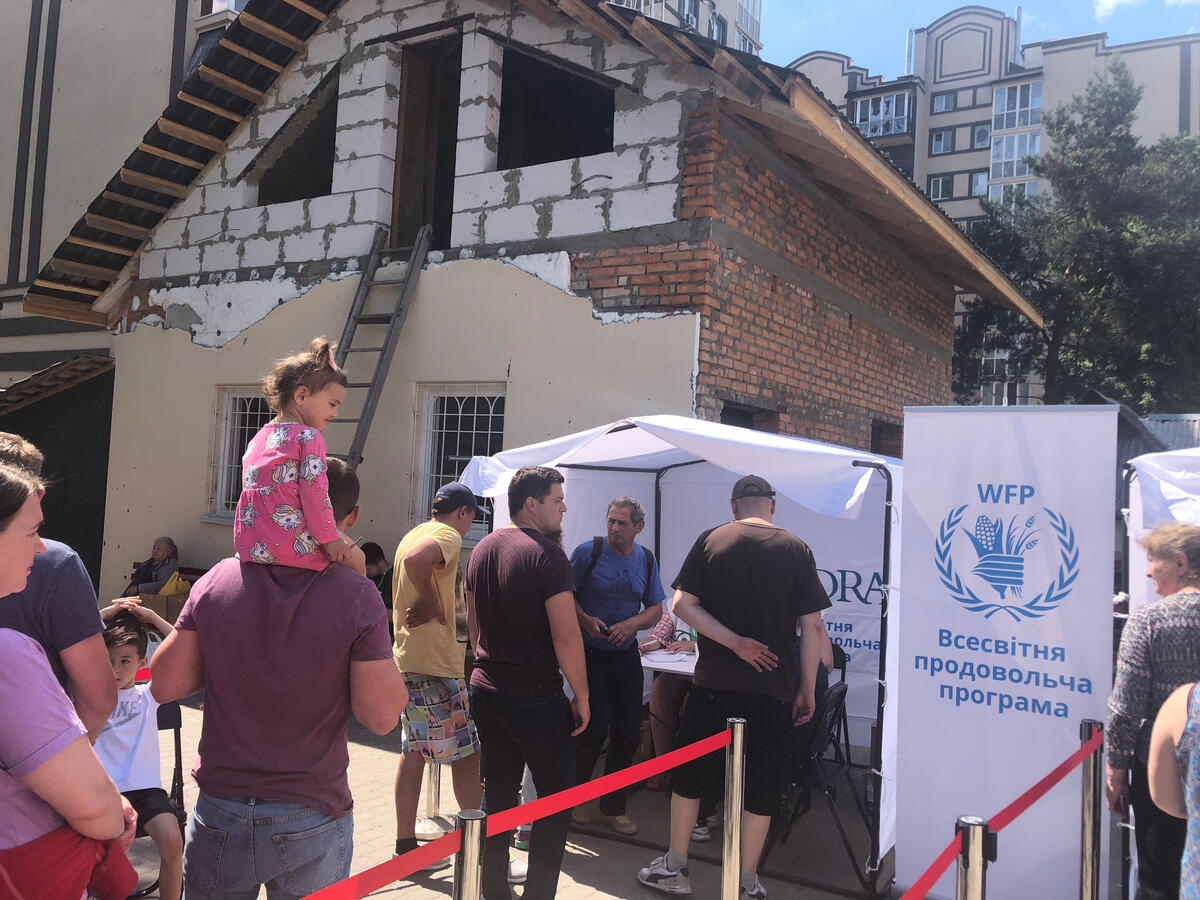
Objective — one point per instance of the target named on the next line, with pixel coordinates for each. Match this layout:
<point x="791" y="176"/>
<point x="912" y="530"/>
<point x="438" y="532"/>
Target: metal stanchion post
<point x="468" y="861"/>
<point x="1093" y="790"/>
<point x="433" y="791"/>
<point x="978" y="848"/>
<point x="735" y="774"/>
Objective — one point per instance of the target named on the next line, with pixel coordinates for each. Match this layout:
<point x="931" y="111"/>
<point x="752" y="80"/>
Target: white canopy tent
<point x="682" y="470"/>
<point x="1163" y="487"/>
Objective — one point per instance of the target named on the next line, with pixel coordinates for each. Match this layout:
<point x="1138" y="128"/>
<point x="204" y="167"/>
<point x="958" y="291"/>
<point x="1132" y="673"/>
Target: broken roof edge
<point x="53" y="379"/>
<point x="746" y="74"/>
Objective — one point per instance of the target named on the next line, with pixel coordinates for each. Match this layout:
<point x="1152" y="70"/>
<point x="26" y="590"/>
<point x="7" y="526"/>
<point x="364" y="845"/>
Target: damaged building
<point x="524" y="219"/>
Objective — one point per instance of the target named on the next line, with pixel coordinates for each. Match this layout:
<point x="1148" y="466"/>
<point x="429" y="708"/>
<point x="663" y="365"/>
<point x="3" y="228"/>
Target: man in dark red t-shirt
<point x="521" y="616"/>
<point x="745" y="586"/>
<point x="284" y="656"/>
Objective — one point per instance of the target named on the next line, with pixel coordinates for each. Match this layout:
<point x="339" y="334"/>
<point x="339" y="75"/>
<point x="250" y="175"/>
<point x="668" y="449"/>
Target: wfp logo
<point x="1004" y="563"/>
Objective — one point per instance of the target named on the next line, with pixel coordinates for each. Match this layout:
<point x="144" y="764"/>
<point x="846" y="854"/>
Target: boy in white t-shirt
<point x="128" y="745"/>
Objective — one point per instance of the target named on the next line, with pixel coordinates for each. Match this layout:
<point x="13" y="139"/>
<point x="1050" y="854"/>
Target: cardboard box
<point x="167" y="606"/>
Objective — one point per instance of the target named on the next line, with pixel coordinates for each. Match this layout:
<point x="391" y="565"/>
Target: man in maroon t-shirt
<point x="284" y="656"/>
<point x="521" y="616"/>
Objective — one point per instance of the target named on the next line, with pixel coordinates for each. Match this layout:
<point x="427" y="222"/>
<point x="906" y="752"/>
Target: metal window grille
<point x="454" y="422"/>
<point x="241" y="412"/>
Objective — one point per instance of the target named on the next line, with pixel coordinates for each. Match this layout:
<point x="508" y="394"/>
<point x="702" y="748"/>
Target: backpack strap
<point x="649" y="574"/>
<point x="597" y="549"/>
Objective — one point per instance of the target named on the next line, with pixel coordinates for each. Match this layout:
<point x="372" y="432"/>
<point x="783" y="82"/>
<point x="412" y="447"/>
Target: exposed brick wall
<point x="767" y="343"/>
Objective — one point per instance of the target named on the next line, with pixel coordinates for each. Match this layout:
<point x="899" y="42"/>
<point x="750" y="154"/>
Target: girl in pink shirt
<point x="284" y="516"/>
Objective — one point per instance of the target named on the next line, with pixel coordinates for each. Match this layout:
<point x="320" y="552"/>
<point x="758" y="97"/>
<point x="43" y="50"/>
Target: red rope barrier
<point x="945" y="859"/>
<point x="548" y="806"/>
<point x="376" y="877"/>
<point x="358" y="886"/>
<point x="1003" y="818"/>
<point x="1039" y="790"/>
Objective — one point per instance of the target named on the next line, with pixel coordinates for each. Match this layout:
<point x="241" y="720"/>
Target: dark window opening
<point x="298" y="163"/>
<point x="749" y="417"/>
<point x="427" y="141"/>
<point x="548" y="114"/>
<point x="887" y="438"/>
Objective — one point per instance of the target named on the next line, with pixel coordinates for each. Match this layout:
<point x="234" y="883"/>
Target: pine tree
<point x="1110" y="255"/>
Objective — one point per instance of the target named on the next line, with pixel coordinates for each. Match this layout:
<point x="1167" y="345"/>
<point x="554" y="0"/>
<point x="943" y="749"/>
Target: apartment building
<point x="734" y="23"/>
<point x="963" y="119"/>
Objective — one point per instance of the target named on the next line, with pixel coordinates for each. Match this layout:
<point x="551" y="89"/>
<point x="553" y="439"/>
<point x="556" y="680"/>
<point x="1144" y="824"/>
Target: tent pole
<point x="873" y="861"/>
<point x="1127" y="477"/>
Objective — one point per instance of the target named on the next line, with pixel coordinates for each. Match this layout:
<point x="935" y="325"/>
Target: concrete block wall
<point x="803" y="319"/>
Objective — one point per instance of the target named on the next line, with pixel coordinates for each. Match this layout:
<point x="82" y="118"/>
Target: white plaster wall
<point x="471" y="321"/>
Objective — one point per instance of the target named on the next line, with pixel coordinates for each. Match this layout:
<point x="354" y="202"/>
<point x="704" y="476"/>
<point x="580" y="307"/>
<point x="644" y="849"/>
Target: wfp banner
<point x="1005" y="631"/>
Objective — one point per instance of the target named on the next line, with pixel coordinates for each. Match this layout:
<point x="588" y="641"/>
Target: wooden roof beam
<point x="225" y="82"/>
<point x="593" y="21"/>
<point x="58" y="308"/>
<point x="99" y="245"/>
<point x="652" y="38"/>
<point x="844" y="138"/>
<point x="191" y="135"/>
<point x="256" y="58"/>
<point x="134" y="201"/>
<point x="729" y="66"/>
<point x="64" y="286"/>
<point x="271" y="32"/>
<point x="153" y="183"/>
<point x="116" y="226"/>
<point x="542" y="10"/>
<point x="210" y="107"/>
<point x="82" y="270"/>
<point x="307" y="9"/>
<point x="171" y="157"/>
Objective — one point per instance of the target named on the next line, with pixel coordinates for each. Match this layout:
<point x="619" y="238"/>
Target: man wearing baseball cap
<point x="745" y="586"/>
<point x="437" y="721"/>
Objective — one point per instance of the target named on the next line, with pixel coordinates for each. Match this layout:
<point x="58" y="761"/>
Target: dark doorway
<point x="427" y="141"/>
<point x="72" y="430"/>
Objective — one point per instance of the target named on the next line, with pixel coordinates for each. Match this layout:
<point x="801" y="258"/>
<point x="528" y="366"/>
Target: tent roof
<point x="821" y="477"/>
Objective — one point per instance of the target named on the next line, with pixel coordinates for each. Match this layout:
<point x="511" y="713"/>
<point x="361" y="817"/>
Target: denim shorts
<point x="233" y="846"/>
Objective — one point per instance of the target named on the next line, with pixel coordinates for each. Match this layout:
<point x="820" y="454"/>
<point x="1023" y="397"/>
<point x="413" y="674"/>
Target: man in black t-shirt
<point x="521" y="617"/>
<point x="745" y="587"/>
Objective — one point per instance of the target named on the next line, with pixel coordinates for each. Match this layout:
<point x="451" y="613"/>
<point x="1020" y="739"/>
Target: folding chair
<point x="813" y="769"/>
<point x="170" y="718"/>
<point x="842" y="725"/>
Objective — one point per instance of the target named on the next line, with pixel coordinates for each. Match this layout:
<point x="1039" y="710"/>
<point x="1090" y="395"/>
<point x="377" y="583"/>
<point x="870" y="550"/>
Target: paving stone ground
<point x="594" y="868"/>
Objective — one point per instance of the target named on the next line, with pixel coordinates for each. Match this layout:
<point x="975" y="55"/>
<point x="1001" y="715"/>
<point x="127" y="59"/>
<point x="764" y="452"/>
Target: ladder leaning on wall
<point x="381" y="255"/>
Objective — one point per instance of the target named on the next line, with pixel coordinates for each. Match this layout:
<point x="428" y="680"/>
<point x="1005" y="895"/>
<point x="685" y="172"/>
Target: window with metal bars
<point x="454" y="422"/>
<point x="241" y="412"/>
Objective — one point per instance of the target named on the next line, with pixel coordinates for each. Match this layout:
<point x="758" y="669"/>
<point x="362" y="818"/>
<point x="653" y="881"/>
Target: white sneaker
<point x="758" y="892"/>
<point x="701" y="834"/>
<point x="517" y="871"/>
<point x="661" y="878"/>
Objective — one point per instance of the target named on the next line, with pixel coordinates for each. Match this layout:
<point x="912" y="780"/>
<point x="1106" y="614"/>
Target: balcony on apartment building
<point x="886" y="119"/>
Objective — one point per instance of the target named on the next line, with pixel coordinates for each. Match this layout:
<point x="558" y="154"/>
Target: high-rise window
<point x="749" y="17"/>
<point x="941" y="140"/>
<point x="718" y="29"/>
<point x="1017" y="106"/>
<point x="882" y="115"/>
<point x="1010" y="194"/>
<point x="945" y="101"/>
<point x="979" y="184"/>
<point x="941" y="187"/>
<point x="1011" y="152"/>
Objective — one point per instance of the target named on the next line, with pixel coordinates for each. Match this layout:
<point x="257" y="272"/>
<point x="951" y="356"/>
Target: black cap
<point x="454" y="495"/>
<point x="751" y="486"/>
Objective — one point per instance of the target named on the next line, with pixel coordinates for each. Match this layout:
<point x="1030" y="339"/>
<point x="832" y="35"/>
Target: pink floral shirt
<point x="284" y="513"/>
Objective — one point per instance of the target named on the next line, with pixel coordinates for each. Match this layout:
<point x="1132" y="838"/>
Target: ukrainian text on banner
<point x="1005" y="630"/>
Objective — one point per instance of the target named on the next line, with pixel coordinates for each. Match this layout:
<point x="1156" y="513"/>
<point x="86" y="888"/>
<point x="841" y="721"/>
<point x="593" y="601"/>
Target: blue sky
<point x="872" y="32"/>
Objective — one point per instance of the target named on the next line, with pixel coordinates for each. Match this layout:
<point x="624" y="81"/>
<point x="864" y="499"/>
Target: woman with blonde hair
<point x="1160" y="650"/>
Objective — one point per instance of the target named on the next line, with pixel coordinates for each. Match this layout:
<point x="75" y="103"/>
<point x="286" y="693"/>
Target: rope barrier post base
<point x="731" y="842"/>
<point x="978" y="849"/>
<point x="1093" y="791"/>
<point x="468" y="861"/>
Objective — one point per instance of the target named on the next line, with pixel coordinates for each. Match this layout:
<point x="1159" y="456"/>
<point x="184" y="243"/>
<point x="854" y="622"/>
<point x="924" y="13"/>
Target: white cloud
<point x="1183" y="2"/>
<point x="1105" y="8"/>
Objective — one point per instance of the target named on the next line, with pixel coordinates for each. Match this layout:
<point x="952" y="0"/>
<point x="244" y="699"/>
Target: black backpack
<point x="598" y="548"/>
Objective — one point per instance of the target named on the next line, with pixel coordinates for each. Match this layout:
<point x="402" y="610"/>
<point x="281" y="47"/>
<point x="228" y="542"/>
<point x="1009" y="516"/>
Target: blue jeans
<point x="515" y="732"/>
<point x="233" y="846"/>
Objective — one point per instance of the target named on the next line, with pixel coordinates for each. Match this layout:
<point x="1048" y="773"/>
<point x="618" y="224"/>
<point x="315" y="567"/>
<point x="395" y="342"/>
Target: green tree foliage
<point x="1110" y="255"/>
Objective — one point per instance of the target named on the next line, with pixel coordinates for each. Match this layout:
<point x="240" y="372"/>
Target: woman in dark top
<point x="155" y="572"/>
<point x="1160" y="650"/>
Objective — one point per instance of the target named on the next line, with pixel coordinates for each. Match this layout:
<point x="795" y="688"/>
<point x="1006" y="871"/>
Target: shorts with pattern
<point x="437" y="720"/>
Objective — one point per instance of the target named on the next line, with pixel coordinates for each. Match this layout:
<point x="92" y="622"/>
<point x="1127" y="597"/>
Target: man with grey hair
<point x="618" y="592"/>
